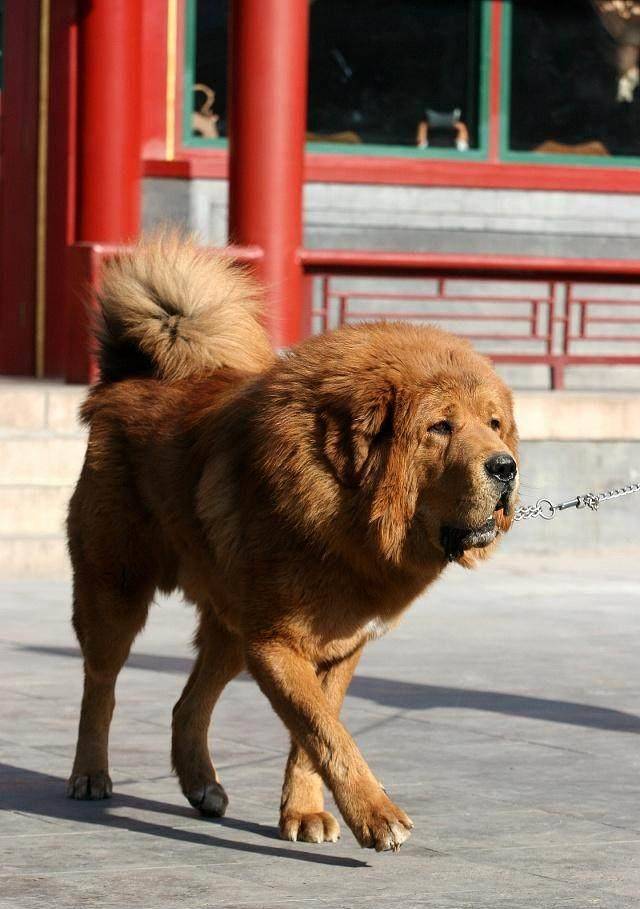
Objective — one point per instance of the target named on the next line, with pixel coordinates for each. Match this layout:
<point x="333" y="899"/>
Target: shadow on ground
<point x="29" y="792"/>
<point x="417" y="696"/>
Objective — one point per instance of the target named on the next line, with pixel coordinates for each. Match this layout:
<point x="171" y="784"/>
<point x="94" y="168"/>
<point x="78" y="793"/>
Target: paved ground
<point x="503" y="714"/>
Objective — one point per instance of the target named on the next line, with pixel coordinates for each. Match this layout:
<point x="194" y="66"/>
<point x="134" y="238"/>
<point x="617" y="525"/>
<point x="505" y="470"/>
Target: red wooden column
<point x="18" y="182"/>
<point x="109" y="104"/>
<point x="107" y="202"/>
<point x="268" y="103"/>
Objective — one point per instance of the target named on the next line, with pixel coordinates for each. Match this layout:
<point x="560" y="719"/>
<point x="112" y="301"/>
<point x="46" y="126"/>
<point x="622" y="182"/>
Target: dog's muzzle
<point x="455" y="540"/>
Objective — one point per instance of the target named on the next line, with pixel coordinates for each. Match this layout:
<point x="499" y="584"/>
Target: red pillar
<point x="18" y="181"/>
<point x="269" y="51"/>
<point x="109" y="104"/>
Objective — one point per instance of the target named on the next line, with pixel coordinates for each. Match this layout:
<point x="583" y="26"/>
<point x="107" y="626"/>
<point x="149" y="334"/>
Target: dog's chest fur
<point x="376" y="628"/>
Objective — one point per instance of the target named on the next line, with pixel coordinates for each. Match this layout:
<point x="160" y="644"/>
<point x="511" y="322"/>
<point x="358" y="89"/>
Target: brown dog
<point x="300" y="502"/>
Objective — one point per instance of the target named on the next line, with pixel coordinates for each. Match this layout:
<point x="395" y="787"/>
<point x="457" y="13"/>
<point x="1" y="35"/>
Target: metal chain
<point x="546" y="510"/>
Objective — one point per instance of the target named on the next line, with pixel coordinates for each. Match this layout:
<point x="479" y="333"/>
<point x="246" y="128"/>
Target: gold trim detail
<point x="172" y="43"/>
<point x="41" y="187"/>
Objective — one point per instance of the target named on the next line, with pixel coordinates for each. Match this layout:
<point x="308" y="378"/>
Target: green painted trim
<point x="189" y="78"/>
<point x="336" y="148"/>
<point x="202" y="142"/>
<point x="589" y="161"/>
<point x="484" y="76"/>
<point x="533" y="157"/>
<point x="373" y="150"/>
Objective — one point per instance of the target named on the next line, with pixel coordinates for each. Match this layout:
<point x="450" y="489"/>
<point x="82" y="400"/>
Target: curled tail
<point x="171" y="309"/>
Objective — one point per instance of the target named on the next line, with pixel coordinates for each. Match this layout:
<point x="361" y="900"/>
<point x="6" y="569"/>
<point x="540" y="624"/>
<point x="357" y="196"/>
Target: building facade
<point x="453" y="127"/>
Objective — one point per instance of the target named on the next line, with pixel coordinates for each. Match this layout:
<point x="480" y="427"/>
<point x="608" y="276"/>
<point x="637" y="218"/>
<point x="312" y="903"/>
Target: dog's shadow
<point x="410" y="696"/>
<point x="40" y="794"/>
<point x="30" y="792"/>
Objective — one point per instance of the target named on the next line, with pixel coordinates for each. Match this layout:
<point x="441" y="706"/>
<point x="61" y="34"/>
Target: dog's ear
<point x="349" y="435"/>
<point x="396" y="487"/>
<point x="372" y="446"/>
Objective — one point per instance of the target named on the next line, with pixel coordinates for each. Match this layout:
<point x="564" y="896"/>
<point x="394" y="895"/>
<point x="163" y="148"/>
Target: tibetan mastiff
<point x="300" y="501"/>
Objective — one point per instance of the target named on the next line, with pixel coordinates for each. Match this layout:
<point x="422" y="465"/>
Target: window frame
<point x="189" y="69"/>
<point x="507" y="154"/>
<point x="492" y="166"/>
<point x="367" y="150"/>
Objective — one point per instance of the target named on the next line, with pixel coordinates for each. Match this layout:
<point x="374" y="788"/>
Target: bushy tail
<point x="171" y="309"/>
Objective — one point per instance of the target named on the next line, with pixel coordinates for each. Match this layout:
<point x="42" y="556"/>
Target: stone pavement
<point x="503" y="715"/>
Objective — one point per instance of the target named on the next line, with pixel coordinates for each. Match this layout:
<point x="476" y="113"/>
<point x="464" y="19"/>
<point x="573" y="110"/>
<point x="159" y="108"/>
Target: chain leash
<point x="547" y="510"/>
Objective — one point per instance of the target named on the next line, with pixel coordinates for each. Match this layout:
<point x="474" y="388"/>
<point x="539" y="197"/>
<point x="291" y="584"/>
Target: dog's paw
<point x="90" y="786"/>
<point x="210" y="800"/>
<point x="384" y="827"/>
<point x="317" y="827"/>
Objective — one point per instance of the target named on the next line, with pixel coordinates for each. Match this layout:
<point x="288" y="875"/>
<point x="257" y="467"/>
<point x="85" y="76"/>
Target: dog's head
<point x="421" y="430"/>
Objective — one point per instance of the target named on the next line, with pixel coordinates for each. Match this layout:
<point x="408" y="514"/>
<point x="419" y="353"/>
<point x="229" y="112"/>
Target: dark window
<point x="209" y="87"/>
<point x="574" y="77"/>
<point x="380" y="68"/>
<point x="390" y="72"/>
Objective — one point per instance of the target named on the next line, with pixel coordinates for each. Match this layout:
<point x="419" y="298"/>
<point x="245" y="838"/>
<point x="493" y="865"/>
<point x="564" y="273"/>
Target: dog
<point x="300" y="501"/>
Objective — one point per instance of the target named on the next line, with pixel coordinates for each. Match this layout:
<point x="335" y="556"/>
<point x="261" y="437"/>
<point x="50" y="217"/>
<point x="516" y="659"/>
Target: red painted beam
<point x="18" y="203"/>
<point x="374" y="262"/>
<point x="333" y="167"/>
<point x="268" y="97"/>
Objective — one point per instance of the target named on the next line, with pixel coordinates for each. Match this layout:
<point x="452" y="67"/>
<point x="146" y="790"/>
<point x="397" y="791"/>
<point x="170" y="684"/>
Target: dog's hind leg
<point x="106" y="622"/>
<point x="302" y="814"/>
<point x="220" y="659"/>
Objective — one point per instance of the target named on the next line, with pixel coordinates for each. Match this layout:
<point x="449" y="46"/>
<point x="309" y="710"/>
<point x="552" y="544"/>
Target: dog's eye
<point x="443" y="428"/>
<point x="495" y="424"/>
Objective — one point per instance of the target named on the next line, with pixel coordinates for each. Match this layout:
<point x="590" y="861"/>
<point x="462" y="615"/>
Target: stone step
<point x="31" y="460"/>
<point x="52" y="408"/>
<point x="33" y="510"/>
<point x="577" y="416"/>
<point x="34" y="557"/>
<point x="28" y="405"/>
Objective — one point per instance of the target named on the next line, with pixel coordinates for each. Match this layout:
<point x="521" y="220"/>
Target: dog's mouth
<point x="505" y="502"/>
<point x="455" y="540"/>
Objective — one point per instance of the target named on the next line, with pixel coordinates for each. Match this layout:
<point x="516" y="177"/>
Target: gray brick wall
<point x="425" y="218"/>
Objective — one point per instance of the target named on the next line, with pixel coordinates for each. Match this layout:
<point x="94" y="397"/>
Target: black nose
<point x="502" y="467"/>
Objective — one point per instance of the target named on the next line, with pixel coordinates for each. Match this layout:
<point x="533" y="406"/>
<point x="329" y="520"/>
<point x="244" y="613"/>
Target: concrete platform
<point x="503" y="715"/>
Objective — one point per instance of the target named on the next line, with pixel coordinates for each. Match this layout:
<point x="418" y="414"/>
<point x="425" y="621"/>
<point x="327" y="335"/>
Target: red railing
<point x="527" y="311"/>
<point x="564" y="315"/>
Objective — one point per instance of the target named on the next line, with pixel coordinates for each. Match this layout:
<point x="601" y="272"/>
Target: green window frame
<point x="506" y="154"/>
<point x="189" y="140"/>
<point x="365" y="150"/>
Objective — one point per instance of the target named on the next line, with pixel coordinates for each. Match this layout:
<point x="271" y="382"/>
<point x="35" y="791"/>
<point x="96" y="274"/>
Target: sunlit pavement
<point x="503" y="715"/>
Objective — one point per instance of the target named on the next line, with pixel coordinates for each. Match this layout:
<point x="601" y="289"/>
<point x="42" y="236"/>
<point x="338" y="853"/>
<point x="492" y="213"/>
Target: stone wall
<point x="572" y="443"/>
<point x="443" y="219"/>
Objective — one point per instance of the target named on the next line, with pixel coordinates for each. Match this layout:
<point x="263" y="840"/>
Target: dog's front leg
<point x="302" y="814"/>
<point x="291" y="684"/>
